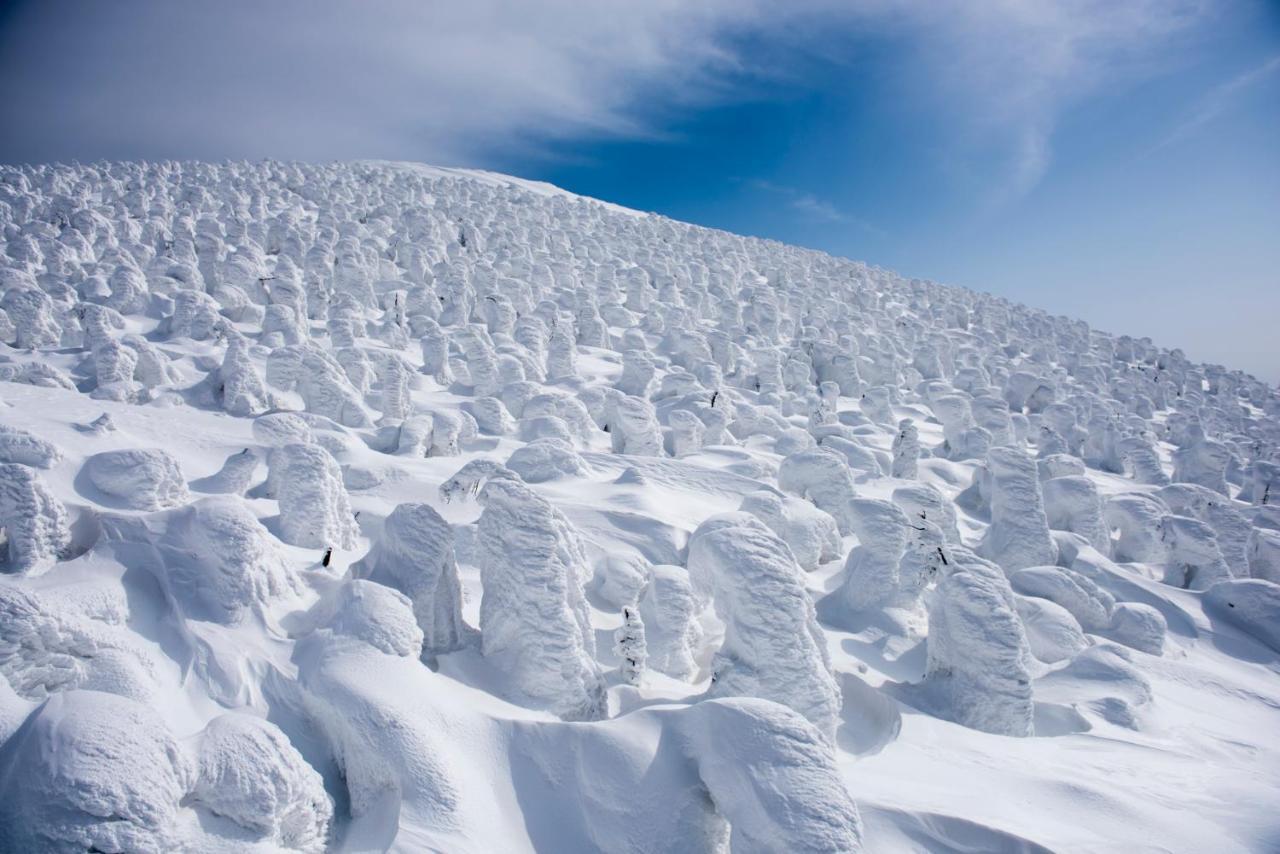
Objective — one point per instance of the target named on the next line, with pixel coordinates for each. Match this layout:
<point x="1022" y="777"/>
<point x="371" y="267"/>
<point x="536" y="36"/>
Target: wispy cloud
<point x="813" y="208"/>
<point x="457" y="82"/>
<point x="1004" y="72"/>
<point x="1219" y="98"/>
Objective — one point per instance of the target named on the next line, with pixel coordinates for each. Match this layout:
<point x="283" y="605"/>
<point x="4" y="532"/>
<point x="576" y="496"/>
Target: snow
<point x="377" y="506"/>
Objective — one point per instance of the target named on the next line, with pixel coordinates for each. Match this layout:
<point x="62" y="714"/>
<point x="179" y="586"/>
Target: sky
<point x="1112" y="160"/>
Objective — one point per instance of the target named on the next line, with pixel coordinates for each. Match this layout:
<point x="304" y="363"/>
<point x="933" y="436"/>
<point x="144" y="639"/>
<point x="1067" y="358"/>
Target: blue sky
<point x="1116" y="161"/>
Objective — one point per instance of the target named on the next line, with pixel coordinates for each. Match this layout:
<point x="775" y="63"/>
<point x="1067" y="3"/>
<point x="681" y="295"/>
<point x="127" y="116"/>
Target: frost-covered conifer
<point x="906" y="449"/>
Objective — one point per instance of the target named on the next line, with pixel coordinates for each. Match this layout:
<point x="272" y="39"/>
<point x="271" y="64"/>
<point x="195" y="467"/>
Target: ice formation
<point x="237" y="614"/>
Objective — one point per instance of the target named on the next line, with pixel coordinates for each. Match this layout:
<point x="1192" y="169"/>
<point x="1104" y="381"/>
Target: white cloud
<point x="1217" y="99"/>
<point x="457" y="82"/>
<point x="813" y="208"/>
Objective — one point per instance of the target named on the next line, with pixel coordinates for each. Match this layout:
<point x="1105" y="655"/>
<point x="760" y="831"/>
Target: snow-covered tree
<point x="629" y="645"/>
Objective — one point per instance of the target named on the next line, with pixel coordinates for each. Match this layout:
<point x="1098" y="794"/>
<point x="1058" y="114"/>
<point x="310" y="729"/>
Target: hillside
<point x="375" y="506"/>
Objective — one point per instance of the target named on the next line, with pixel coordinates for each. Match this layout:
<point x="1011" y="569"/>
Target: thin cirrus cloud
<point x="810" y="207"/>
<point x="1219" y="98"/>
<point x="458" y="82"/>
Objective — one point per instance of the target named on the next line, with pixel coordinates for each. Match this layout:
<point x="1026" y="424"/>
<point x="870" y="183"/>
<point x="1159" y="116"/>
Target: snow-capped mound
<point x="534" y="622"/>
<point x="219" y="562"/>
<point x="247" y="771"/>
<point x="138" y="478"/>
<point x="92" y="771"/>
<point x="773" y="647"/>
<point x="415" y="556"/>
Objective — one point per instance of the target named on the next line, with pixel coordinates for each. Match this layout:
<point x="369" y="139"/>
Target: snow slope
<point x="323" y="490"/>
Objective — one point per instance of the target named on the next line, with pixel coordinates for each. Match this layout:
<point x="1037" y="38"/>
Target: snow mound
<point x="247" y="771"/>
<point x="415" y="556"/>
<point x="138" y="478"/>
<point x="116" y="785"/>
<point x="220" y="563"/>
<point x="773" y="647"/>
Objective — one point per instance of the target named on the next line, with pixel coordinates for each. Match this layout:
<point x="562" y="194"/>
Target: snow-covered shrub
<point x="491" y="416"/>
<point x="1193" y="559"/>
<point x="871" y="570"/>
<point x="821" y="476"/>
<point x="978" y="654"/>
<point x="371" y="613"/>
<point x="687" y="432"/>
<point x="637" y="374"/>
<point x="773" y="647"/>
<point x="33" y="520"/>
<point x="1139" y="626"/>
<point x="1142" y="460"/>
<point x="239" y="388"/>
<point x="1204" y="463"/>
<point x="1264" y="554"/>
<point x="619" y="579"/>
<point x="1089" y="604"/>
<point x="315" y="511"/>
<point x="810" y="533"/>
<point x="33" y="316"/>
<point x="414" y="555"/>
<point x="1052" y="633"/>
<point x="248" y="771"/>
<point x="1136" y="516"/>
<point x="20" y="446"/>
<point x="534" y="621"/>
<point x="773" y="776"/>
<point x="906" y="449"/>
<point x="321" y="381"/>
<point x="1229" y="525"/>
<point x="195" y="315"/>
<point x="117" y="783"/>
<point x="1264" y="483"/>
<point x="1019" y="532"/>
<point x="633" y="427"/>
<point x="41" y="650"/>
<point x="1250" y="604"/>
<point x="669" y="613"/>
<point x="924" y="501"/>
<point x="629" y="645"/>
<point x="1073" y="504"/>
<point x="219" y="562"/>
<point x="138" y="478"/>
<point x="282" y="428"/>
<point x="546" y="459"/>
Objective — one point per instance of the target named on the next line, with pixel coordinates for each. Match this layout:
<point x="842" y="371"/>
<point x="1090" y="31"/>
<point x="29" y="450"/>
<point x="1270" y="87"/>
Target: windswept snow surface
<point x="325" y="492"/>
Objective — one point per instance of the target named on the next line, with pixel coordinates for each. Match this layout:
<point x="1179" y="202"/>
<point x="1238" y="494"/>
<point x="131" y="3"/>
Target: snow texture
<point x="311" y="646"/>
<point x="415" y="556"/>
<point x="773" y="647"/>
